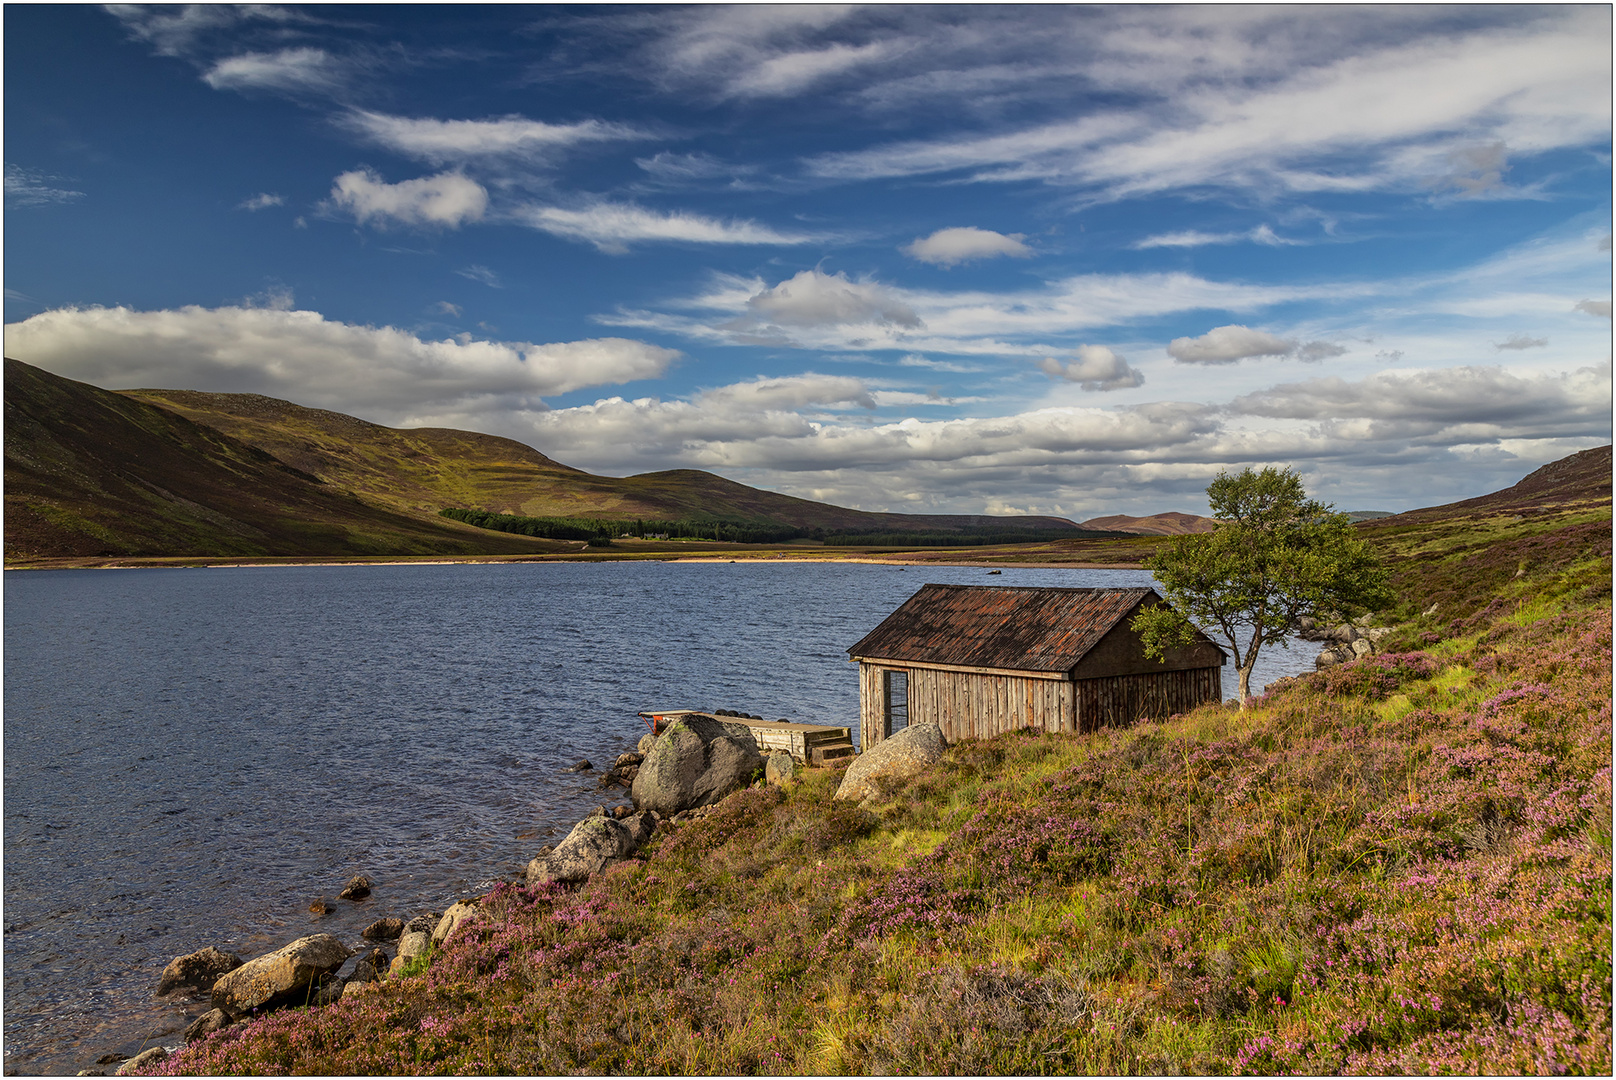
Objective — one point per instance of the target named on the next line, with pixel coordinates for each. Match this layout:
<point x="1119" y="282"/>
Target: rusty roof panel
<point x="1015" y="629"/>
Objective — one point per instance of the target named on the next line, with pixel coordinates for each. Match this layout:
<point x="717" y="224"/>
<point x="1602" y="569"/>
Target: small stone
<point x="195" y="973"/>
<point x="779" y="767"/>
<point x="358" y="888"/>
<point x="414" y="944"/>
<point x="330" y="992"/>
<point x="582" y="766"/>
<point x="206" y="1024"/>
<point x="452" y="920"/>
<point x="383" y="930"/>
<point x="108" y="1059"/>
<point x="141" y="1060"/>
<point x="423" y="924"/>
<point x="630" y="758"/>
<point x="320" y="907"/>
<point x="647" y="741"/>
<point x="621" y="812"/>
<point x="368" y="968"/>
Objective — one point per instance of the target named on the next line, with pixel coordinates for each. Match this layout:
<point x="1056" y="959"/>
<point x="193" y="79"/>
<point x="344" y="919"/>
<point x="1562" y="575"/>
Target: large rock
<point x="383" y="929"/>
<point x="781" y="767"/>
<point x="696" y="762"/>
<point x="280" y="977"/>
<point x="195" y="973"/>
<point x="910" y="751"/>
<point x="594" y="844"/>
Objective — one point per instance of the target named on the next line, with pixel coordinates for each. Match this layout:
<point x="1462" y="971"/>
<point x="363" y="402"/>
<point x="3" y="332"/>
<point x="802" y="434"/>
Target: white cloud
<point x="1414" y="114"/>
<point x="298" y="69"/>
<point x="443" y="307"/>
<point x="950" y="247"/>
<point x="1476" y="403"/>
<point x="29" y="187"/>
<point x="815" y="298"/>
<point x="381" y="373"/>
<point x="1521" y="341"/>
<point x="1229" y="344"/>
<point x="262" y="201"/>
<point x="448" y="199"/>
<point x="612" y="227"/>
<point x="1095" y="368"/>
<point x="1598" y="308"/>
<point x="448" y="141"/>
<point x="1262" y="234"/>
<point x="176" y="29"/>
<point x="790" y="72"/>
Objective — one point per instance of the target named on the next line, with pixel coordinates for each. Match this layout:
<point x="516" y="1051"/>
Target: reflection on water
<point x="192" y="756"/>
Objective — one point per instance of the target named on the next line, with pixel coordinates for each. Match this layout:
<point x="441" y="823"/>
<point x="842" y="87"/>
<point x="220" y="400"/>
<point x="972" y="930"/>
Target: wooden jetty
<point x="809" y="744"/>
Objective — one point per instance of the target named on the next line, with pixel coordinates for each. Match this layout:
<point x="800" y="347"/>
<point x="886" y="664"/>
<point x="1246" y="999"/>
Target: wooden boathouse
<point x="982" y="660"/>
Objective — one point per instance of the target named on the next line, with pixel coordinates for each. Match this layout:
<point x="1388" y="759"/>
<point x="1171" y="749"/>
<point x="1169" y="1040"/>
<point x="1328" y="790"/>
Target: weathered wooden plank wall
<point x="1121" y="699"/>
<point x="968" y="705"/>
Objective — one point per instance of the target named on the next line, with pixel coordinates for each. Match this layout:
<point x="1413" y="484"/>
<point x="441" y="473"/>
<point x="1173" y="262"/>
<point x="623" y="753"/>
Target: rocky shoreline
<point x="677" y="774"/>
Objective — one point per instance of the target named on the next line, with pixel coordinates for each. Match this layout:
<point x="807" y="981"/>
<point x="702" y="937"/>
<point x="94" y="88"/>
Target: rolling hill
<point x="91" y="472"/>
<point x="1171" y="523"/>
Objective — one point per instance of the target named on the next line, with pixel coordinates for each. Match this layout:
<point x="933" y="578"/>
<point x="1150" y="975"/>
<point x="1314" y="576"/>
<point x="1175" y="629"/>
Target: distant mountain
<point x="1581" y="478"/>
<point x="1168" y="524"/>
<point x="91" y="472"/>
<point x="1368" y="515"/>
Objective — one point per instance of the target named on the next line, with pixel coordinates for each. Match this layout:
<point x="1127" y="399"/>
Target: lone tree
<point x="1274" y="557"/>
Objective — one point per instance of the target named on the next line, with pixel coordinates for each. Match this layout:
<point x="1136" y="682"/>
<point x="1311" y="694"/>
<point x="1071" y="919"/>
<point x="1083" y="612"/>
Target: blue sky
<point x="1047" y="259"/>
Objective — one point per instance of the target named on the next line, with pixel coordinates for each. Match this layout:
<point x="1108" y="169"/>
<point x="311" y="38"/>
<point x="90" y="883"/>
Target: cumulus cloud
<point x="1521" y="341"/>
<point x="815" y="298"/>
<point x="381" y="373"/>
<point x="1229" y="344"/>
<point x="950" y="247"/>
<point x="612" y="227"/>
<point x="299" y="69"/>
<point x="1095" y="368"/>
<point x="29" y="187"/>
<point x="442" y="142"/>
<point x="1463" y="403"/>
<point x="1599" y="308"/>
<point x="262" y="201"/>
<point x="448" y="199"/>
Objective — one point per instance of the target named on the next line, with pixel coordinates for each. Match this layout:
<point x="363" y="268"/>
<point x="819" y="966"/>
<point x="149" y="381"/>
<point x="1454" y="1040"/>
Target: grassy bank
<point x="1398" y="866"/>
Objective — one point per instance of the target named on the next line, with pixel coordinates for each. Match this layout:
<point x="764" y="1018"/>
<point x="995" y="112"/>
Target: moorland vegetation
<point x="1399" y="865"/>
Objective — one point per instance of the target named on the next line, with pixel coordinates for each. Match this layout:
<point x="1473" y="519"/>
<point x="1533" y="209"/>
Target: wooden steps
<point x="809" y="744"/>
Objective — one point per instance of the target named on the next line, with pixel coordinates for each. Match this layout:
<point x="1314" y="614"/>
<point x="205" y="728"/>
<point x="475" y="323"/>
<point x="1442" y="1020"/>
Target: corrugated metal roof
<point x="1016" y="629"/>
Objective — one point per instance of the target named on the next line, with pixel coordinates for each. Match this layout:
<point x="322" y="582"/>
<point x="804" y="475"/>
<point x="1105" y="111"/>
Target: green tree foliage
<point x="1275" y="556"/>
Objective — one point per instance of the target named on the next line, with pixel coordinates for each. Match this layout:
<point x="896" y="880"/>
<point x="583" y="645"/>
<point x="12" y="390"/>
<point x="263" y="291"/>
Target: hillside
<point x="92" y="473"/>
<point x="1399" y="866"/>
<point x="1172" y="523"/>
<point x="425" y="469"/>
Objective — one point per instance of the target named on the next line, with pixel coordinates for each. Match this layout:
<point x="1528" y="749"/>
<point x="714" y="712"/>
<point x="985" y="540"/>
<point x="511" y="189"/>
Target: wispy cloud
<point x="615" y="227"/>
<point x="262" y="201"/>
<point x="478" y="272"/>
<point x="297" y="69"/>
<point x="29" y="187"/>
<point x="1429" y="112"/>
<point x="442" y="142"/>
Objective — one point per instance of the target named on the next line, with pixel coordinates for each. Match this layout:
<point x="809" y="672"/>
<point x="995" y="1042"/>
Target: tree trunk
<point x="1245" y="681"/>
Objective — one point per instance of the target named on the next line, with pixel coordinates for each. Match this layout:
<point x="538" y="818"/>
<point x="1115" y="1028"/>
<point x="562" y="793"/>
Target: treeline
<point x="596" y="530"/>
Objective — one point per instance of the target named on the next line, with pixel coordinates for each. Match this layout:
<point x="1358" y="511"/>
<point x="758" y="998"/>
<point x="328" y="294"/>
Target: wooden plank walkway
<point x="809" y="744"/>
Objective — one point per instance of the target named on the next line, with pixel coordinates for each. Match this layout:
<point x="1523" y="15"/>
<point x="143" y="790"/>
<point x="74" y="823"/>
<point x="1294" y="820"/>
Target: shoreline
<point x="182" y="562"/>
